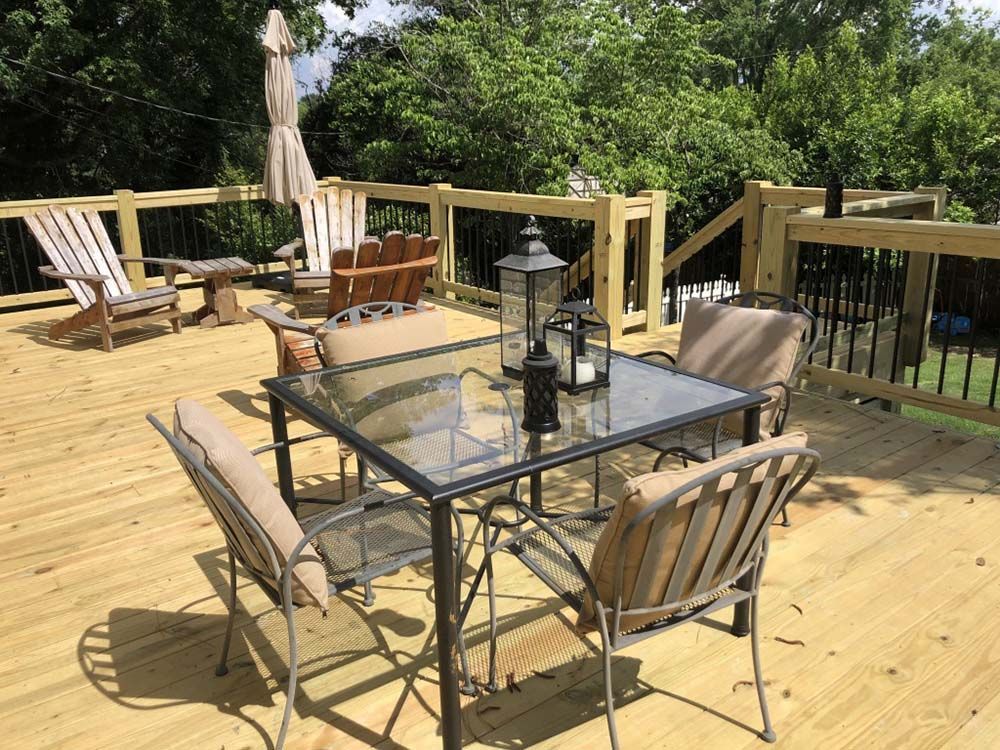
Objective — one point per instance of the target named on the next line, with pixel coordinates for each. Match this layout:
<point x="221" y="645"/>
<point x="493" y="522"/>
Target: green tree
<point x="62" y="138"/>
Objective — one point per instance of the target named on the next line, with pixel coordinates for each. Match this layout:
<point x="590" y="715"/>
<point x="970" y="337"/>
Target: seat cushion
<point x="383" y="338"/>
<point x="222" y="453"/>
<point x="654" y="552"/>
<point x="743" y="346"/>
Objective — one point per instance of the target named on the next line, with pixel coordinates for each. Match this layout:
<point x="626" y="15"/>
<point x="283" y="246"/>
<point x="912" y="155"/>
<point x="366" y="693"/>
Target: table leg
<point x="741" y="610"/>
<point x="535" y="479"/>
<point x="444" y="616"/>
<point x="282" y="456"/>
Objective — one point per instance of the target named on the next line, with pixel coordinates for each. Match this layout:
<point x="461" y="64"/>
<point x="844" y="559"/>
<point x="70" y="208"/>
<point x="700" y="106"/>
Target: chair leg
<point x="106" y="341"/>
<point x="768" y="734"/>
<point x="222" y="668"/>
<point x="343" y="478"/>
<point x="175" y="323"/>
<point x="293" y="674"/>
<point x="784" y="517"/>
<point x="597" y="481"/>
<point x="491" y="678"/>
<point x="609" y="691"/>
<point x="463" y="656"/>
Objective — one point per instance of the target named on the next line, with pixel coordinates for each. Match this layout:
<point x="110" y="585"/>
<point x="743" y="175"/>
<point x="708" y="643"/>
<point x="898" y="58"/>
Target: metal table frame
<point x="440" y="497"/>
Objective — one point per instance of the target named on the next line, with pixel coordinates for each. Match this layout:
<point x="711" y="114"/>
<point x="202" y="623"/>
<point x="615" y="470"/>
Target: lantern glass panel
<point x="526" y="301"/>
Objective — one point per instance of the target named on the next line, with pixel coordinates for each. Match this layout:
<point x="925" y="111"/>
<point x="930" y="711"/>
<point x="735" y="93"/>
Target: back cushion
<point x="740" y="345"/>
<point x="655" y="544"/>
<point x="383" y="338"/>
<point x="222" y="453"/>
<point x="398" y="399"/>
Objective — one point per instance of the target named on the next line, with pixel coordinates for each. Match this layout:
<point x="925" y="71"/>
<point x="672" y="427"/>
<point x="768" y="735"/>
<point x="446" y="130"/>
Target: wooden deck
<point x="878" y="608"/>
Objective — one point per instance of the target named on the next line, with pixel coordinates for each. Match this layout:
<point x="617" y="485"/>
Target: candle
<point x="585" y="372"/>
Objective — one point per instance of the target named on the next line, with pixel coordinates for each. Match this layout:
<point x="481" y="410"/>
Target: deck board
<point x="111" y="569"/>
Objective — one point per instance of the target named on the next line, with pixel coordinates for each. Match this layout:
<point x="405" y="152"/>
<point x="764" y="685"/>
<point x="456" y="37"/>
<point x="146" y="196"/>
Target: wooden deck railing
<point x="590" y="233"/>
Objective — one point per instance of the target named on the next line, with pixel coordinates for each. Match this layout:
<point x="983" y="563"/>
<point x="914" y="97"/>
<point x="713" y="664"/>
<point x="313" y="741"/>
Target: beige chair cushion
<point x="222" y="453"/>
<point x="383" y="338"/>
<point x="743" y="346"/>
<point x="657" y="552"/>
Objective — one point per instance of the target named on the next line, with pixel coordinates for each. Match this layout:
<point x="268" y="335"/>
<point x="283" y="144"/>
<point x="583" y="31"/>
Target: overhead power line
<point x="149" y="102"/>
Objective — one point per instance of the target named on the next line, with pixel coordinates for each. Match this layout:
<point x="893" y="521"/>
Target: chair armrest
<point x="277" y="319"/>
<point x="548" y="527"/>
<point x="287" y="252"/>
<point x="658" y="353"/>
<point x="90" y="278"/>
<point x="173" y="262"/>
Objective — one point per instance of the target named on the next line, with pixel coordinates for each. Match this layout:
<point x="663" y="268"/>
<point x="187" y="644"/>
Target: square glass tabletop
<point x="445" y="422"/>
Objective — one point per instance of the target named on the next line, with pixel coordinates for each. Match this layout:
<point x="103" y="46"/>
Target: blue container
<point x="959" y="324"/>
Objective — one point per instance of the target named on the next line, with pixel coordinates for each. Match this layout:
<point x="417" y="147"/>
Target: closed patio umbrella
<point x="287" y="172"/>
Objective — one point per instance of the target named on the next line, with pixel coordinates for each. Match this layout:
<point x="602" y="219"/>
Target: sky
<point x="311" y="70"/>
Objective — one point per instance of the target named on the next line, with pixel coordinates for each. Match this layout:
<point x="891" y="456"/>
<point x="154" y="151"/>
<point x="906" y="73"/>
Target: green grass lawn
<point x="954" y="380"/>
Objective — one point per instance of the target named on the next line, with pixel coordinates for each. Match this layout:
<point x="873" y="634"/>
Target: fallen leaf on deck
<point x="789" y="642"/>
<point x="797" y="608"/>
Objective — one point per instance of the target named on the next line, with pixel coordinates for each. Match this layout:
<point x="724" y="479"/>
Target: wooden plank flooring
<point x="111" y="570"/>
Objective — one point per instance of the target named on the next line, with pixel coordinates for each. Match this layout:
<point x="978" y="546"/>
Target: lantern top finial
<point x="532" y="254"/>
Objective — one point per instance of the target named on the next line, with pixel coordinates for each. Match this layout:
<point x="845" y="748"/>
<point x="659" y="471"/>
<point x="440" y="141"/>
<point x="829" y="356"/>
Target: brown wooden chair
<point x="331" y="218"/>
<point x="82" y="255"/>
<point x="393" y="270"/>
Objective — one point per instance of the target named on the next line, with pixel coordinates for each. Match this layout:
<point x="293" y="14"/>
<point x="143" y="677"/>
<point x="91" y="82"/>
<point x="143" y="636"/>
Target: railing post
<point x="779" y="256"/>
<point x="609" y="260"/>
<point x="441" y="226"/>
<point x="128" y="235"/>
<point x="750" y="247"/>
<point x="918" y="296"/>
<point x="653" y="230"/>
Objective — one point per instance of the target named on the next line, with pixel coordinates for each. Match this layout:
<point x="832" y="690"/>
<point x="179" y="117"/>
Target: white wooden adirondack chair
<point x="81" y="253"/>
<point x="332" y="218"/>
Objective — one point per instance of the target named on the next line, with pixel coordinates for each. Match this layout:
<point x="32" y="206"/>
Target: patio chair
<point x="678" y="546"/>
<point x="393" y="270"/>
<point x="331" y="218"/>
<point x="383" y="329"/>
<point x="82" y="255"/>
<point x="373" y="535"/>
<point x="753" y="340"/>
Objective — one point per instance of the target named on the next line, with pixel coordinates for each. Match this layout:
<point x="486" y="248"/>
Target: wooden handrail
<point x="892" y="207"/>
<point x="703" y="236"/>
<point x="969" y="240"/>
<point x="805" y="197"/>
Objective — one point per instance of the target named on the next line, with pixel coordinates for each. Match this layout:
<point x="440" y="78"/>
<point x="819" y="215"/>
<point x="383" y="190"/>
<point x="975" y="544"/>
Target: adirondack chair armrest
<point x="89" y="278"/>
<point x="287" y="252"/>
<point x="277" y="319"/>
<point x="354" y="273"/>
<point x="172" y="262"/>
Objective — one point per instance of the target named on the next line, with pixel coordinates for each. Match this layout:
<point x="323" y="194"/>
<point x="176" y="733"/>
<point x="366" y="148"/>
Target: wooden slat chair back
<point x="83" y="257"/>
<point x="394" y="270"/>
<point x="331" y="218"/>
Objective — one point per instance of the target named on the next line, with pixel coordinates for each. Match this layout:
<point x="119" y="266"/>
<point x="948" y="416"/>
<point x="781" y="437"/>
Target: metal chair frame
<point x="207" y="484"/>
<point x="742" y="568"/>
<point x="762" y="301"/>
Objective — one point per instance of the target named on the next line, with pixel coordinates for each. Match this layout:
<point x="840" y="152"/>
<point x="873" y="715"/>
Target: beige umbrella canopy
<point x="287" y="172"/>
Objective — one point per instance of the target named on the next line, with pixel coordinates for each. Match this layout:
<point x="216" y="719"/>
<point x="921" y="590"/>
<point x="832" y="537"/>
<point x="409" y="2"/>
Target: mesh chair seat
<point x="697" y="439"/>
<point x="364" y="546"/>
<point x="439" y="448"/>
<point x="540" y="552"/>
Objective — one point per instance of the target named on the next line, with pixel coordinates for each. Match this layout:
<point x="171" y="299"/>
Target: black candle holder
<point x="541" y="390"/>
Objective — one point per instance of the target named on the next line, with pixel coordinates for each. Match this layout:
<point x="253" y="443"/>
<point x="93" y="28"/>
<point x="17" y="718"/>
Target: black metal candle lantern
<point x="581" y="340"/>
<point x="530" y="290"/>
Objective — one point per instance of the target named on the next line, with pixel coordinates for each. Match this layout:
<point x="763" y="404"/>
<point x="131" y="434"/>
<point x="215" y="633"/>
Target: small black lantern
<point x="530" y="290"/>
<point x="581" y="340"/>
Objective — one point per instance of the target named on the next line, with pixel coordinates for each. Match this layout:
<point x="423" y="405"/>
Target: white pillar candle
<point x="585" y="372"/>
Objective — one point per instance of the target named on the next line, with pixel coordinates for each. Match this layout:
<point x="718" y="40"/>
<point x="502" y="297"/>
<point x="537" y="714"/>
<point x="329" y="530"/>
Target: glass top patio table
<point x="445" y="422"/>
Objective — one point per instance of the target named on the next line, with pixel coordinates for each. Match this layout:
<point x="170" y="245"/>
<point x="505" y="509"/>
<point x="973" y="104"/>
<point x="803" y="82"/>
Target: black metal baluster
<point x="949" y="321"/>
<point x="876" y="309"/>
<point x="977" y="301"/>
